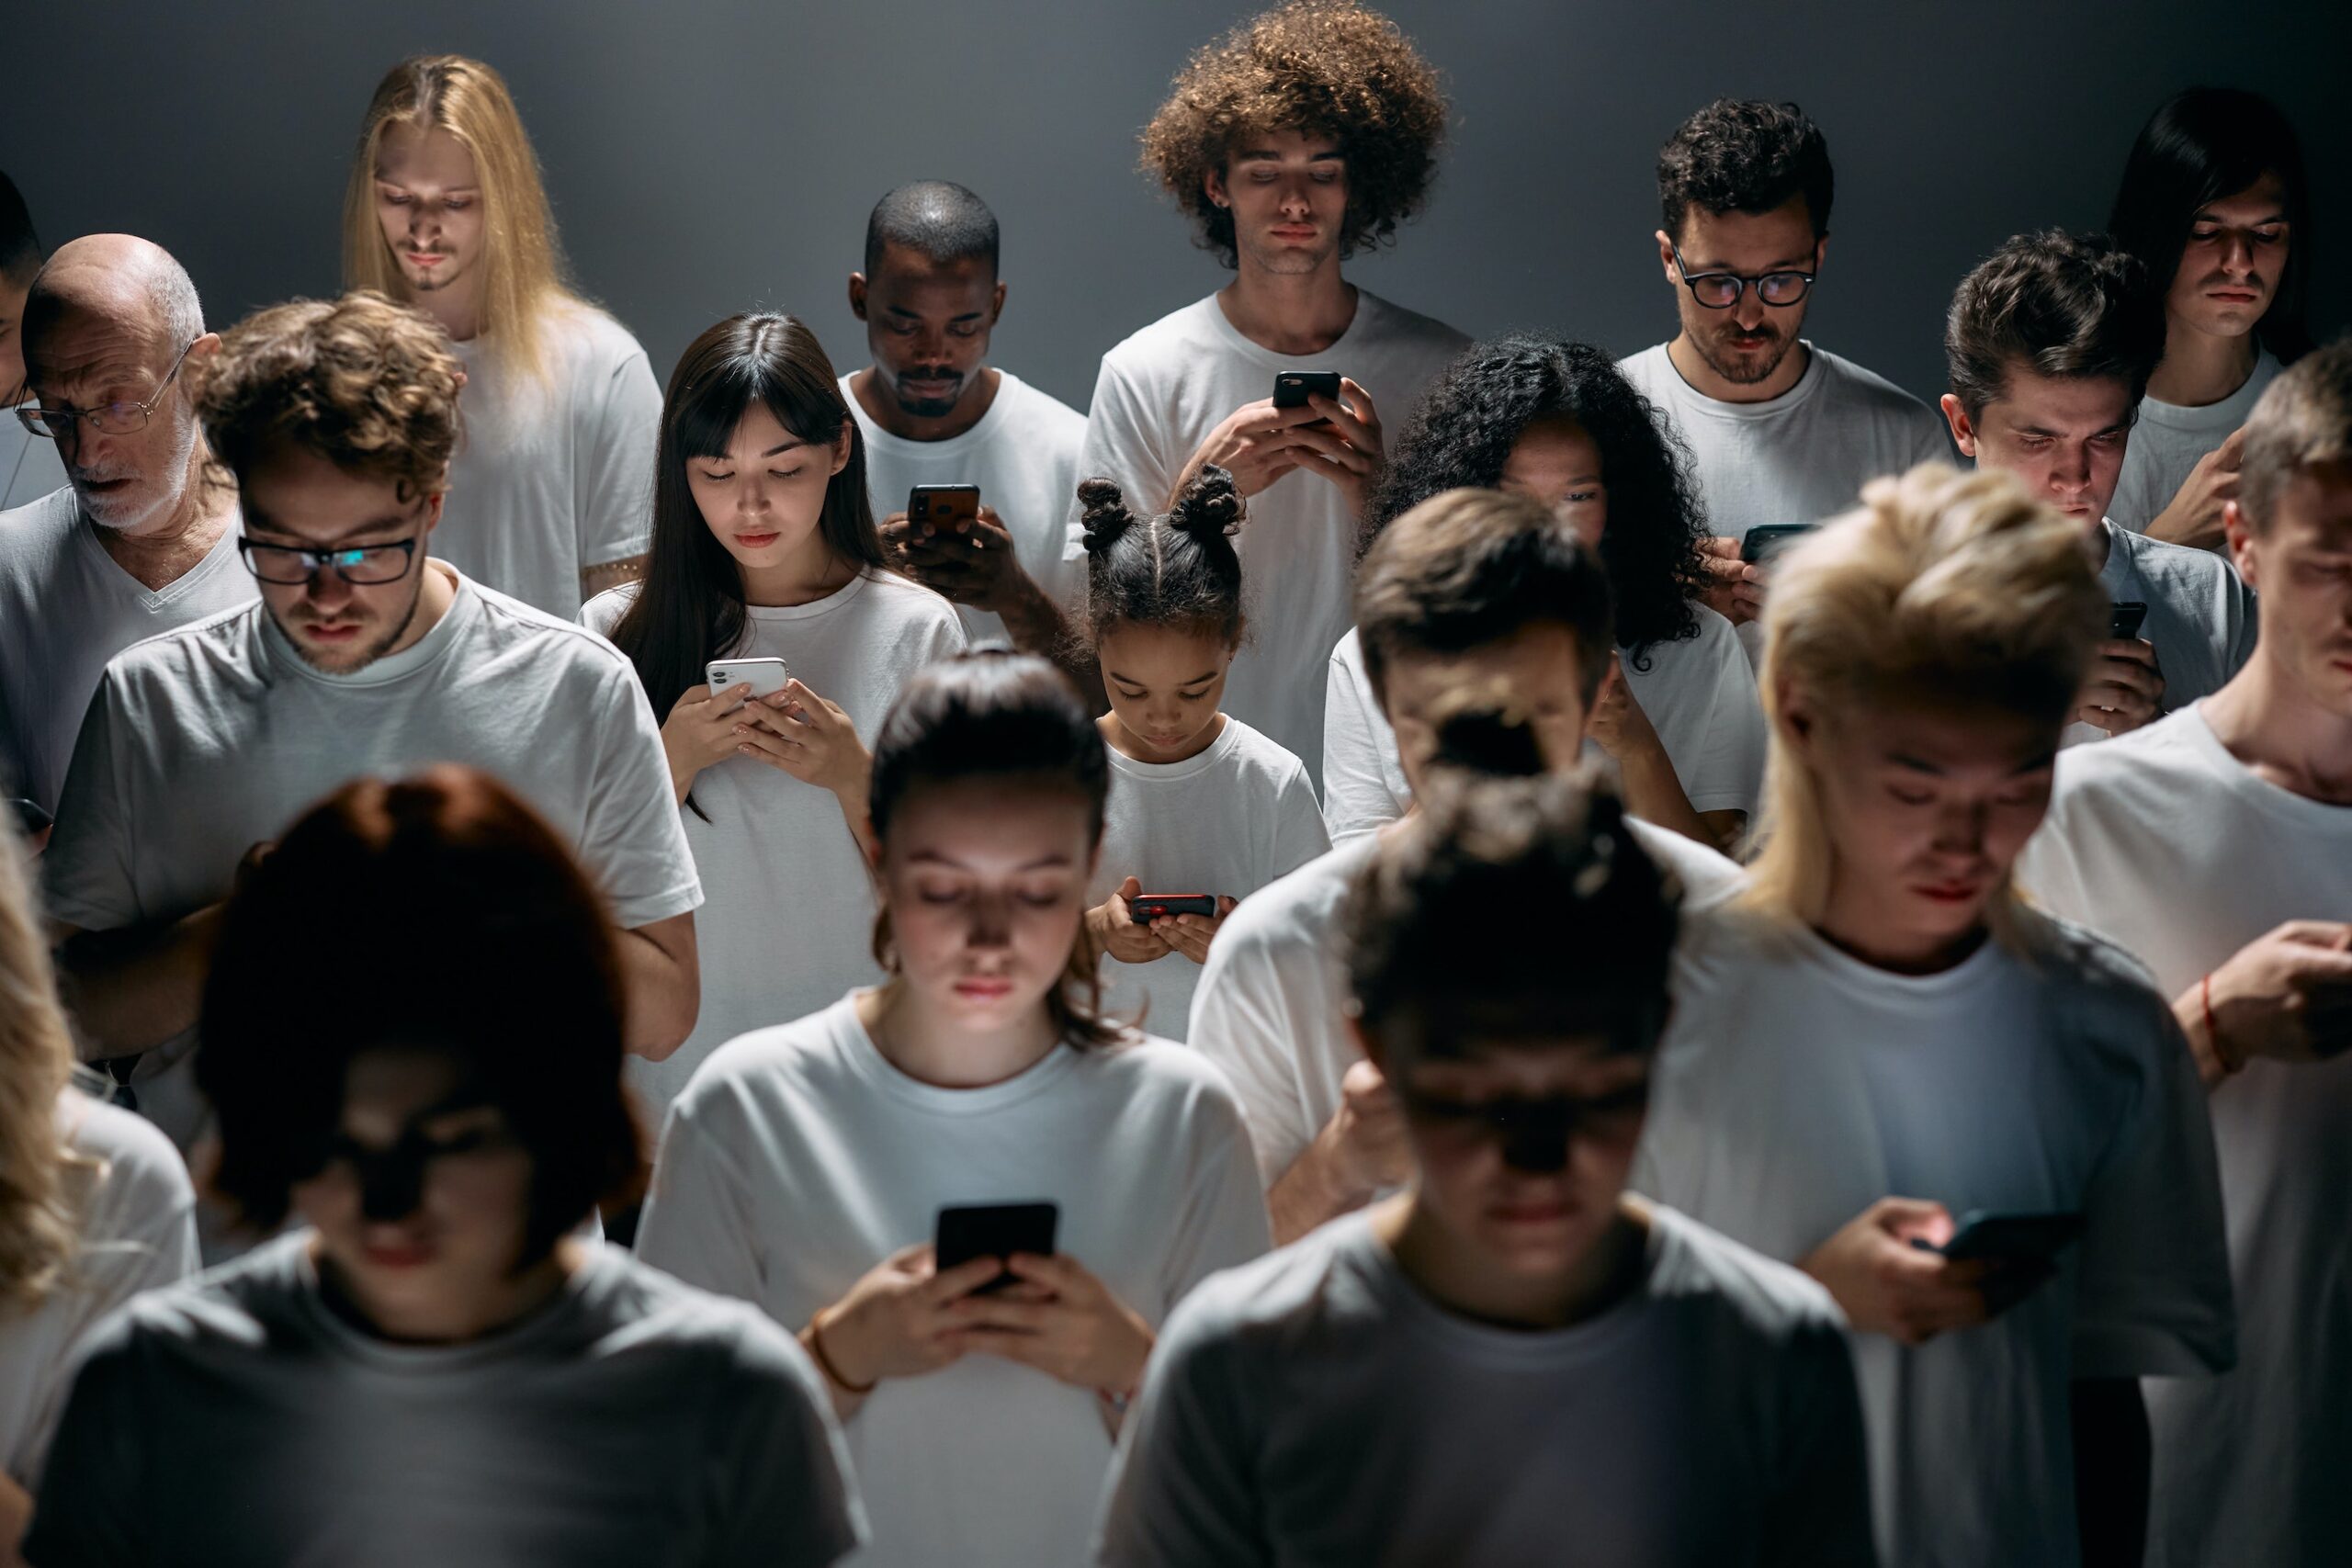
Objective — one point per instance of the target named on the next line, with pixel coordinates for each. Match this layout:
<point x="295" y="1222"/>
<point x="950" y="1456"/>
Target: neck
<point x="1463" y="1279"/>
<point x="810" y="573"/>
<point x="938" y="1051"/>
<point x="1289" y="312"/>
<point x="503" y="1302"/>
<point x="458" y="307"/>
<point x="1851" y="922"/>
<point x="1123" y="740"/>
<point x="2268" y="720"/>
<point x="884" y="411"/>
<point x="2199" y="368"/>
<point x="162" y="551"/>
<point x="1693" y="367"/>
<point x="432" y="601"/>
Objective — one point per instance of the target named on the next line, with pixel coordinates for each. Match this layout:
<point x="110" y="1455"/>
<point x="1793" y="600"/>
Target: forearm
<point x="131" y="990"/>
<point x="1315" y="1189"/>
<point x="664" y="991"/>
<point x="2188" y="1008"/>
<point x="847" y="1401"/>
<point x="15" y="1512"/>
<point x="2112" y="1450"/>
<point x="1654" y="794"/>
<point x="1032" y="619"/>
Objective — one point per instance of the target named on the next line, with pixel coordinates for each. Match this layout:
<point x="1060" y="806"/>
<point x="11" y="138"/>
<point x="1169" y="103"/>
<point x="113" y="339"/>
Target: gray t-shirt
<point x="1315" y="1407"/>
<point x="633" y="1421"/>
<point x="2200" y="615"/>
<point x="214" y="737"/>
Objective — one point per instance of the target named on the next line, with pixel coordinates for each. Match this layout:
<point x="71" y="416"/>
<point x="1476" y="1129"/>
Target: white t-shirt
<point x="2168" y="440"/>
<point x="1162" y="391"/>
<point x="1229" y="820"/>
<point x="631" y="1421"/>
<point x="1024" y="456"/>
<point x="1317" y="1407"/>
<point x="1801" y="457"/>
<point x="65" y="609"/>
<point x="552" y="479"/>
<point x="1798" y="1085"/>
<point x="135" y="1228"/>
<point x="1700" y="695"/>
<point x="2201" y="616"/>
<point x="2165" y="842"/>
<point x="787" y="921"/>
<point x="799" y="1157"/>
<point x="30" y="465"/>
<point x="1269" y="1009"/>
<point x="207" y="740"/>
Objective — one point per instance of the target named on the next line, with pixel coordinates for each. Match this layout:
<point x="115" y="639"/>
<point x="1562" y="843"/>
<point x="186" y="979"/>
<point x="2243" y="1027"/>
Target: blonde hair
<point x="524" y="272"/>
<point x="1957" y="588"/>
<point x="39" y="1218"/>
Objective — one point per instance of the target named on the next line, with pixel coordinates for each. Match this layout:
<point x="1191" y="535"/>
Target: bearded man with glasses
<point x="1780" y="431"/>
<point x="141" y="540"/>
<point x="364" y="658"/>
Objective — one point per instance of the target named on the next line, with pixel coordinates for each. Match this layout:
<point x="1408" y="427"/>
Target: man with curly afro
<point x="1781" y="431"/>
<point x="363" y="658"/>
<point x="1304" y="136"/>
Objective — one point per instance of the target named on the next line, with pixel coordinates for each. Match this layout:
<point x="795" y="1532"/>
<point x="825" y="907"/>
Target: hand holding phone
<point x="936" y="510"/>
<point x="1293" y="388"/>
<point x="2017" y="1238"/>
<point x="1146" y="908"/>
<point x="1760" y="544"/>
<point x="997" y="1231"/>
<point x="752" y="677"/>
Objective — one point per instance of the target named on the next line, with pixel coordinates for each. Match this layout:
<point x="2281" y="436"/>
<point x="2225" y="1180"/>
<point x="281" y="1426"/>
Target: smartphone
<point x="31" y="817"/>
<point x="1293" y="388"/>
<point x="949" y="509"/>
<point x="758" y="677"/>
<point x="2125" y="617"/>
<point x="2010" y="1237"/>
<point x="1760" y="544"/>
<point x="1146" y="908"/>
<point x="994" y="1230"/>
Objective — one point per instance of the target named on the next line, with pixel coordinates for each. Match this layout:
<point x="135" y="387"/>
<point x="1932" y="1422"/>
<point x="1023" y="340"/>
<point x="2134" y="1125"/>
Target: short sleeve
<point x="1243" y="1021"/>
<point x="1123" y="444"/>
<point x="615" y="510"/>
<point x="783" y="1472"/>
<point x="634" y="844"/>
<point x="1299" y="835"/>
<point x="80" y="1519"/>
<point x="1819" y="1512"/>
<point x="2154" y="1296"/>
<point x="1728" y="773"/>
<point x="1181" y="1492"/>
<point x="1357" y="747"/>
<point x="698" y="1224"/>
<point x="86" y="879"/>
<point x="1224" y="1221"/>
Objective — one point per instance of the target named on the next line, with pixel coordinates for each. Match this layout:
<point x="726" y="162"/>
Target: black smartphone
<point x="2125" y="615"/>
<point x="31" y="817"/>
<point x="949" y="509"/>
<point x="1761" y="543"/>
<point x="1149" y="907"/>
<point x="994" y="1230"/>
<point x="2012" y="1237"/>
<point x="1293" y="388"/>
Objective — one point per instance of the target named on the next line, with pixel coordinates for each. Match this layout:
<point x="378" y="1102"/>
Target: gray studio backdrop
<point x="709" y="155"/>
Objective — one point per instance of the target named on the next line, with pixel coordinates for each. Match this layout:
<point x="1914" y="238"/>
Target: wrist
<point x="834" y="1348"/>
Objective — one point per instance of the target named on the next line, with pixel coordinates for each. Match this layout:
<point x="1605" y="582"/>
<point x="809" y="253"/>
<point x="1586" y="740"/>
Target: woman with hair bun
<point x="1204" y="804"/>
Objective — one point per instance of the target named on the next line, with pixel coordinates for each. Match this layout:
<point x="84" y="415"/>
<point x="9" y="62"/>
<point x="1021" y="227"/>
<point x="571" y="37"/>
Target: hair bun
<point x="1106" y="516"/>
<point x="1210" y="504"/>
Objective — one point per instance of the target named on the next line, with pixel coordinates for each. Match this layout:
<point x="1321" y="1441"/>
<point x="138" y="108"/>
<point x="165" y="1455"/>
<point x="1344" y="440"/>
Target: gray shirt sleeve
<point x="1820" y="1513"/>
<point x="784" y="1500"/>
<point x="88" y="1514"/>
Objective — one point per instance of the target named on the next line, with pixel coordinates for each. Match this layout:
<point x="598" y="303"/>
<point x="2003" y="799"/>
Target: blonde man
<point x="550" y="495"/>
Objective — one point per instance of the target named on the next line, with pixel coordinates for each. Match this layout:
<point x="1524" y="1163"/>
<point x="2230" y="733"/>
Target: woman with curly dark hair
<point x="1557" y="420"/>
<point x="1304" y="136"/>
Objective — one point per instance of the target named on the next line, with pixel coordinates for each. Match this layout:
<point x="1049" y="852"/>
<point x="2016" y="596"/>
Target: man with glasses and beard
<point x="141" y="540"/>
<point x="1782" y="431"/>
<point x="363" y="658"/>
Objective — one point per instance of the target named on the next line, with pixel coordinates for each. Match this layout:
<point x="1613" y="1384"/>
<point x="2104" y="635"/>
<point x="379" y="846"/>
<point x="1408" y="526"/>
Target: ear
<point x="2245" y="554"/>
<point x="1799" y="725"/>
<point x="205" y="347"/>
<point x="840" y="445"/>
<point x="1963" y="431"/>
<point x="1666" y="257"/>
<point x="440" y="498"/>
<point x="996" y="303"/>
<point x="1820" y="253"/>
<point x="1213" y="186"/>
<point x="857" y="295"/>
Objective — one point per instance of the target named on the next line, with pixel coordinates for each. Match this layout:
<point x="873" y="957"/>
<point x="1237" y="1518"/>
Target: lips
<point x="344" y="632"/>
<point x="1294" y="234"/>
<point x="757" y="541"/>
<point x="1949" y="892"/>
<point x="983" y="988"/>
<point x="2232" y="296"/>
<point x="407" y="1255"/>
<point x="423" y="258"/>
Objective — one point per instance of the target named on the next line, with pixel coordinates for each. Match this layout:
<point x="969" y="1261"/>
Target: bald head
<point x="130" y="284"/>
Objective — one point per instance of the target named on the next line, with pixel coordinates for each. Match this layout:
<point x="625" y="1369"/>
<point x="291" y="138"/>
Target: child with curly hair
<point x="1203" y="803"/>
<point x="1306" y="135"/>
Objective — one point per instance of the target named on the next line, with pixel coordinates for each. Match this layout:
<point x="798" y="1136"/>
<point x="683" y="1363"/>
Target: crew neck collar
<point x="1807" y="385"/>
<point x="984" y="430"/>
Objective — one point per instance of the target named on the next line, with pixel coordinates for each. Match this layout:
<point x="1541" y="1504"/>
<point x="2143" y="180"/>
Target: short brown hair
<point x="1744" y="155"/>
<point x="2078" y="309"/>
<point x="1325" y="66"/>
<point x="2303" y="417"/>
<point x="369" y="385"/>
<point x="465" y="927"/>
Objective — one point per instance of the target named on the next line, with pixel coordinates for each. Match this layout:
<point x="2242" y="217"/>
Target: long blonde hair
<point x="38" y="1210"/>
<point x="524" y="272"/>
<point x="1952" y="586"/>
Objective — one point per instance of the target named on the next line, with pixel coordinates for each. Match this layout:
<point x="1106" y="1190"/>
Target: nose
<point x="328" y="592"/>
<point x="1296" y="202"/>
<point x="991" y="926"/>
<point x="390" y="1187"/>
<point x="752" y="499"/>
<point x="1960" y="830"/>
<point x="2070" y="470"/>
<point x="1536" y="1143"/>
<point x="1750" y="312"/>
<point x="2237" y="254"/>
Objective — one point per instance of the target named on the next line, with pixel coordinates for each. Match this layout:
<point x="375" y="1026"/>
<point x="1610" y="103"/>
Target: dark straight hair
<point x="690" y="609"/>
<point x="2202" y="145"/>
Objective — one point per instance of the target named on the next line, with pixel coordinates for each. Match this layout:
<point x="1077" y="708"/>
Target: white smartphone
<point x="757" y="677"/>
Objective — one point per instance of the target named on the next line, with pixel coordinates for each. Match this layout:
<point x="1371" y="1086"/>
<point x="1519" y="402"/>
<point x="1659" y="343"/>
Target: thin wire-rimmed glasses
<point x="1721" y="290"/>
<point x="365" y="566"/>
<point x="112" y="419"/>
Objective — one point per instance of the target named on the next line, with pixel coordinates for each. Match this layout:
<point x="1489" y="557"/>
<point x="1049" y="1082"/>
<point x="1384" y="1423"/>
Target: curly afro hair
<point x="1319" y="66"/>
<point x="369" y="384"/>
<point x="1463" y="430"/>
<point x="1744" y="155"/>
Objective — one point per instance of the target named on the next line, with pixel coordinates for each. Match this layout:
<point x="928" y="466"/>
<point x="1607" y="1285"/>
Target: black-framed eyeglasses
<point x="113" y="419"/>
<point x="1721" y="290"/>
<point x="364" y="566"/>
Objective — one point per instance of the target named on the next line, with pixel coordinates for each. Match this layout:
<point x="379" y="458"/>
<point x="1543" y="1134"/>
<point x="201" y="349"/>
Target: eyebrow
<point x="933" y="857"/>
<point x="1195" y="681"/>
<point x="1268" y="155"/>
<point x="257" y="518"/>
<point x="2033" y="764"/>
<point x="2045" y="430"/>
<point x="902" y="310"/>
<point x="384" y="179"/>
<point x="786" y="446"/>
<point x="2205" y="215"/>
<point x="1785" y="264"/>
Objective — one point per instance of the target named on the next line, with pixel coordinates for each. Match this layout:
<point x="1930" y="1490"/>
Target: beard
<point x="930" y="407"/>
<point x="139" y="504"/>
<point x="366" y="653"/>
<point x="1766" y="347"/>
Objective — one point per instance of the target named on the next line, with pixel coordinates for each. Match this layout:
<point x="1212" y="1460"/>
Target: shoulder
<point x="144" y="1177"/>
<point x="1770" y="1300"/>
<point x="1856" y="387"/>
<point x="1291" y="915"/>
<point x="2158" y="757"/>
<point x="906" y="601"/>
<point x="32" y="536"/>
<point x="1156" y="1068"/>
<point x="1704" y="873"/>
<point x="1159" y="350"/>
<point x="2174" y="563"/>
<point x="740" y="1349"/>
<point x="225" y="640"/>
<point x="1395" y="324"/>
<point x="1257" y="756"/>
<point x="1038" y="411"/>
<point x="239" y="1306"/>
<point x="592" y="339"/>
<point x="1348" y="652"/>
<point x="510" y="624"/>
<point x="1261" y="1309"/>
<point x="758" y="1075"/>
<point x="1644" y="368"/>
